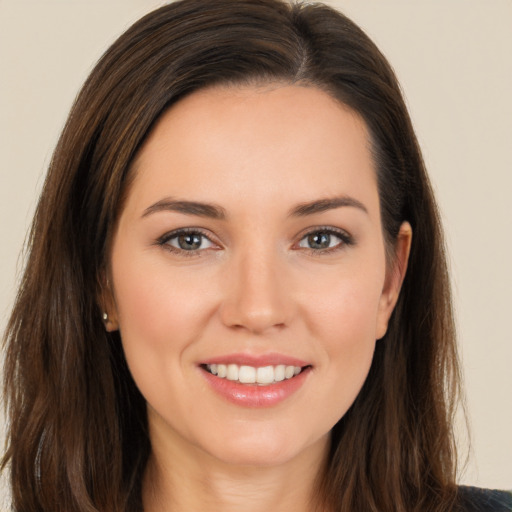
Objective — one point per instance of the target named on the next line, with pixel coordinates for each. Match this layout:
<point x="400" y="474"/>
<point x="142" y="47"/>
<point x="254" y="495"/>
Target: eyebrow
<point x="322" y="205"/>
<point x="187" y="207"/>
<point x="214" y="211"/>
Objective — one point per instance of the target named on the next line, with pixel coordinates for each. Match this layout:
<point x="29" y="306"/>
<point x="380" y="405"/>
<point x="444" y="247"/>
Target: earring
<point x="105" y="317"/>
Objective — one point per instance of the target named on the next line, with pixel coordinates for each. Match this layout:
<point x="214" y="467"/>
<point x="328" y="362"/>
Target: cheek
<point x="344" y="323"/>
<point x="349" y="329"/>
<point x="161" y="315"/>
<point x="158" y="310"/>
<point x="346" y="314"/>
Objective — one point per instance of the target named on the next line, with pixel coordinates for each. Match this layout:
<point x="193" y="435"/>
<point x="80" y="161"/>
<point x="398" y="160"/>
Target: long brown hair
<point x="78" y="437"/>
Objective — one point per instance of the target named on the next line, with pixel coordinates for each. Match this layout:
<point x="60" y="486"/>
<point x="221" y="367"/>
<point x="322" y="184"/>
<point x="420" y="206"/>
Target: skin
<point x="254" y="286"/>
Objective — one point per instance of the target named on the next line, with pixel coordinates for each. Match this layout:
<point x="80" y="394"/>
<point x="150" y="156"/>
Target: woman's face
<point x="250" y="247"/>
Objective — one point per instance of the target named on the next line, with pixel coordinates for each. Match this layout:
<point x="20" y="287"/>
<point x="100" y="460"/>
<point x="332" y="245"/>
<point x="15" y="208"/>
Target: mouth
<point x="256" y="381"/>
<point x="256" y="375"/>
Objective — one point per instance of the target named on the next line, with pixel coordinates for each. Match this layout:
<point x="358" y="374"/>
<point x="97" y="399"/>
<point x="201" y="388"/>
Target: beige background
<point x="454" y="60"/>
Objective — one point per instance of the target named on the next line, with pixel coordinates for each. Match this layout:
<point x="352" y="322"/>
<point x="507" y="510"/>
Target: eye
<point x="325" y="239"/>
<point x="186" y="240"/>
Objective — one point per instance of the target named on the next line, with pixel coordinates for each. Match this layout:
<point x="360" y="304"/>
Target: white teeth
<point x="288" y="372"/>
<point x="247" y="374"/>
<point x="263" y="375"/>
<point x="232" y="372"/>
<point x="279" y="372"/>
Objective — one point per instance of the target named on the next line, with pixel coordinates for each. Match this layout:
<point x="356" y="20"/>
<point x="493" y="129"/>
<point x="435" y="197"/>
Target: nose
<point x="256" y="297"/>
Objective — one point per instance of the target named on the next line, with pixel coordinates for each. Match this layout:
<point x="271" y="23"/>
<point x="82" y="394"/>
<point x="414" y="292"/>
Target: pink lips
<point x="252" y="360"/>
<point x="254" y="395"/>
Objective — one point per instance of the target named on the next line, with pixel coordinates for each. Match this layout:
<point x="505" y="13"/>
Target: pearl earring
<point x="105" y="317"/>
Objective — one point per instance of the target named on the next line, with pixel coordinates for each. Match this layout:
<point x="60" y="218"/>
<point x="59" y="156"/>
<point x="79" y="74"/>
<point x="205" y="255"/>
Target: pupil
<point x="189" y="242"/>
<point x="319" y="240"/>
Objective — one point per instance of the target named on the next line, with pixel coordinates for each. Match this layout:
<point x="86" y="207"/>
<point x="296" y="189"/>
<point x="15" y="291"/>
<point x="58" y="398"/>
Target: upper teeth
<point x="253" y="375"/>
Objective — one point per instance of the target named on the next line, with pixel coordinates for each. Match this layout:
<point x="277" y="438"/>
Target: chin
<point x="264" y="449"/>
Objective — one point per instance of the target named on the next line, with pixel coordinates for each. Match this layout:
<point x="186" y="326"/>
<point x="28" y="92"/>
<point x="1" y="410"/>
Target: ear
<point x="394" y="278"/>
<point x="107" y="304"/>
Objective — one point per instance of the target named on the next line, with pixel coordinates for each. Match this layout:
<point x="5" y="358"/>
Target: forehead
<point x="276" y="143"/>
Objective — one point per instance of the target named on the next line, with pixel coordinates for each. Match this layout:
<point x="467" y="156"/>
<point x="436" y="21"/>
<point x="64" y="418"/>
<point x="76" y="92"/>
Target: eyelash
<point x="346" y="240"/>
<point x="164" y="240"/>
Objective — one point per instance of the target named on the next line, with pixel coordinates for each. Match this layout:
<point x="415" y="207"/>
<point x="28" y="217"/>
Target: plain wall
<point x="454" y="60"/>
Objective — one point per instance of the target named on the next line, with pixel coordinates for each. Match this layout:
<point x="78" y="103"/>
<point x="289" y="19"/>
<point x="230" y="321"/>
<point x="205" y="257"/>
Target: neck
<point x="176" y="481"/>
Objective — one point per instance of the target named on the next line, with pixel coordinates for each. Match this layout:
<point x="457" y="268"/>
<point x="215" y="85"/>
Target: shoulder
<point x="474" y="499"/>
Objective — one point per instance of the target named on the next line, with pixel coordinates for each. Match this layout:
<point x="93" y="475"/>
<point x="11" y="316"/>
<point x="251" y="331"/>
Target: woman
<point x="236" y="281"/>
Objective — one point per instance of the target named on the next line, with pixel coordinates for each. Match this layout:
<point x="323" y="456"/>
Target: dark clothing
<point x="473" y="499"/>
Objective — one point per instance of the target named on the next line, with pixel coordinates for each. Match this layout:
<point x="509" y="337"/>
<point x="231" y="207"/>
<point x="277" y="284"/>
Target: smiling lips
<point x="255" y="382"/>
<point x="263" y="375"/>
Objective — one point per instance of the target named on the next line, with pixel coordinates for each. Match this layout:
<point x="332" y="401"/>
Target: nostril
<point x="254" y="296"/>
